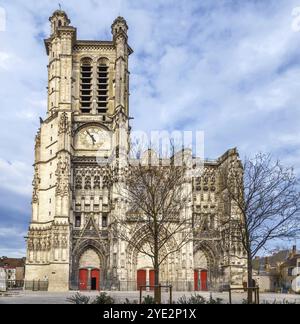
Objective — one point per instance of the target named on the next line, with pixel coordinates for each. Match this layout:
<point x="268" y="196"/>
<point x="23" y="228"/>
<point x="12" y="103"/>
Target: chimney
<point x="267" y="264"/>
<point x="294" y="252"/>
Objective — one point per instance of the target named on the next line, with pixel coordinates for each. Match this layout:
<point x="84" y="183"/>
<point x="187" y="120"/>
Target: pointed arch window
<point x="86" y="85"/>
<point x="102" y="86"/>
<point x="78" y="220"/>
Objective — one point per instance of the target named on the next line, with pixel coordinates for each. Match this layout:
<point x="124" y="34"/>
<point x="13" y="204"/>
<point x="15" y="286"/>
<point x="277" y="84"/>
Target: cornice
<point x="93" y="45"/>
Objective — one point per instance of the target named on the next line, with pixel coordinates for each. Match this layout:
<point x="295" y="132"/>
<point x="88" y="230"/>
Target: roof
<point x="292" y="262"/>
<point x="273" y="260"/>
<point x="12" y="262"/>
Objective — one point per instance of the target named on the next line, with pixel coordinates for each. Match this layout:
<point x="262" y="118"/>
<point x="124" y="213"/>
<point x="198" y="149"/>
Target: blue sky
<point x="229" y="68"/>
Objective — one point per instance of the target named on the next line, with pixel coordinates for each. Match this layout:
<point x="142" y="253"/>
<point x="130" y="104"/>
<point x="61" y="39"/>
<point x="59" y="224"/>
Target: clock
<point x="92" y="137"/>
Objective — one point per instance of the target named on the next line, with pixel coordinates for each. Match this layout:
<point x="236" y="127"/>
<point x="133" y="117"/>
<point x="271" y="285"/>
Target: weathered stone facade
<point x="73" y="200"/>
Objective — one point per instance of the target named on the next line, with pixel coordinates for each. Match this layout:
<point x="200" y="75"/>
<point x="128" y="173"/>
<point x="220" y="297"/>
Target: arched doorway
<point x="145" y="272"/>
<point x="207" y="271"/>
<point x="200" y="271"/>
<point x="89" y="271"/>
<point x="139" y="264"/>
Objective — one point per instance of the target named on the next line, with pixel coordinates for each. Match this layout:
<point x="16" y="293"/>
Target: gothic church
<point x="69" y="242"/>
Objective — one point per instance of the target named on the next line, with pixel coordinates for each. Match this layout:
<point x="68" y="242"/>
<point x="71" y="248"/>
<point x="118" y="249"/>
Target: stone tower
<point x="87" y="113"/>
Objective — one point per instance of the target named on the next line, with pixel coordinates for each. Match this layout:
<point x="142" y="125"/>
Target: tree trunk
<point x="250" y="279"/>
<point x="157" y="291"/>
<point x="157" y="297"/>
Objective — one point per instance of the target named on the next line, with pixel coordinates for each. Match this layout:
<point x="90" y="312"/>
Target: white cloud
<point x="230" y="68"/>
<point x="11" y="232"/>
<point x="6" y="60"/>
<point x="16" y="177"/>
<point x="13" y="253"/>
<point x="12" y="242"/>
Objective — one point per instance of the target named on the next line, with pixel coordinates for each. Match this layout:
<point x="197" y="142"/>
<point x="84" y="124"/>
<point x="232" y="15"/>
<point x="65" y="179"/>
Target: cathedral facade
<point x="70" y="244"/>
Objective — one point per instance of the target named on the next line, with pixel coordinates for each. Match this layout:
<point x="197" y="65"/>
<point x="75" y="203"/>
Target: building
<point x="266" y="272"/>
<point x="279" y="272"/>
<point x="14" y="269"/>
<point x="69" y="240"/>
<point x="290" y="272"/>
<point x="2" y="280"/>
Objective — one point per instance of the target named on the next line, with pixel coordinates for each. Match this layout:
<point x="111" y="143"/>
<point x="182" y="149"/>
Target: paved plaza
<point x="120" y="297"/>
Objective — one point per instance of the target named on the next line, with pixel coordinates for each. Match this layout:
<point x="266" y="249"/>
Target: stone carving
<point x="87" y="183"/>
<point x="30" y="245"/>
<point x="63" y="176"/>
<point x="64" y="241"/>
<point x="38" y="141"/>
<point x="36" y="184"/>
<point x="64" y="126"/>
<point x="78" y="182"/>
<point x="96" y="182"/>
<point x="39" y="240"/>
<point x="97" y="177"/>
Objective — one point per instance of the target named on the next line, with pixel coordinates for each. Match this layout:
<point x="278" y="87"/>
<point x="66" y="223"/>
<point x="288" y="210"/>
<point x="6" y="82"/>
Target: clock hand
<point x="92" y="137"/>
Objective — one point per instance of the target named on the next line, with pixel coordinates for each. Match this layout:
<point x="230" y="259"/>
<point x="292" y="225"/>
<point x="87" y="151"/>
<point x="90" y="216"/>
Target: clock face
<point x="92" y="137"/>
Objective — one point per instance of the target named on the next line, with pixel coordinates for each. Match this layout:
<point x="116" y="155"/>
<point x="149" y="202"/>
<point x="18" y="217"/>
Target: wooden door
<point x="151" y="279"/>
<point x="83" y="279"/>
<point x="204" y="280"/>
<point x="141" y="279"/>
<point x="196" y="280"/>
<point x="95" y="279"/>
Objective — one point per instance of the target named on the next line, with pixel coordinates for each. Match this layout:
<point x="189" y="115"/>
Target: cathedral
<point x="70" y="244"/>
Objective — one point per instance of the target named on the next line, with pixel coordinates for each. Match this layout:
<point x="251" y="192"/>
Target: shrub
<point x="78" y="299"/>
<point x="148" y="300"/>
<point x="102" y="299"/>
<point x="197" y="299"/>
<point x="128" y="302"/>
<point x="217" y="301"/>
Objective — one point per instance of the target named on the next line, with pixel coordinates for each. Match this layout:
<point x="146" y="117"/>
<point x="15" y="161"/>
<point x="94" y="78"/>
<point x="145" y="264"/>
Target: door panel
<point x="95" y="279"/>
<point x="141" y="279"/>
<point x="196" y="280"/>
<point x="152" y="279"/>
<point x="83" y="278"/>
<point x="204" y="280"/>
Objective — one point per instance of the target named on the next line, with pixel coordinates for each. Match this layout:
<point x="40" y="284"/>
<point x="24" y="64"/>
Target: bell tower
<point x="76" y="149"/>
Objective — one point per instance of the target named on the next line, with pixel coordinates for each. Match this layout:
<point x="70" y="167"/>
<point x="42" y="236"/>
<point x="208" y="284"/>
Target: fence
<point x="110" y="285"/>
<point x="36" y="285"/>
<point x="14" y="284"/>
<point x="159" y="287"/>
<point x="131" y="285"/>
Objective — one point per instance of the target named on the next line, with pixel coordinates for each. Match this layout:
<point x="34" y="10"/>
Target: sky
<point x="229" y="68"/>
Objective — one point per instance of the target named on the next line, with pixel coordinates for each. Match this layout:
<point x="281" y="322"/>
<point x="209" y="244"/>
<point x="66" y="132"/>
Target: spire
<point x="119" y="27"/>
<point x="59" y="19"/>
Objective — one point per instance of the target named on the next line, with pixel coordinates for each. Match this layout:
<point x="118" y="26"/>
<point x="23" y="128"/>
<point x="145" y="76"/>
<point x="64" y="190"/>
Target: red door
<point x="141" y="279"/>
<point x="196" y="280"/>
<point x="83" y="279"/>
<point x="204" y="280"/>
<point x="151" y="279"/>
<point x="95" y="279"/>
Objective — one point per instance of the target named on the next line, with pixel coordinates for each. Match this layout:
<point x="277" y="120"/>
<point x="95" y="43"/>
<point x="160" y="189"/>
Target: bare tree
<point x="159" y="198"/>
<point x="267" y="198"/>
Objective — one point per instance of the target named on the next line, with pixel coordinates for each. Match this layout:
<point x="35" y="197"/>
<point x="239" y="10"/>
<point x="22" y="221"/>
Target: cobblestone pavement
<point x="61" y="298"/>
